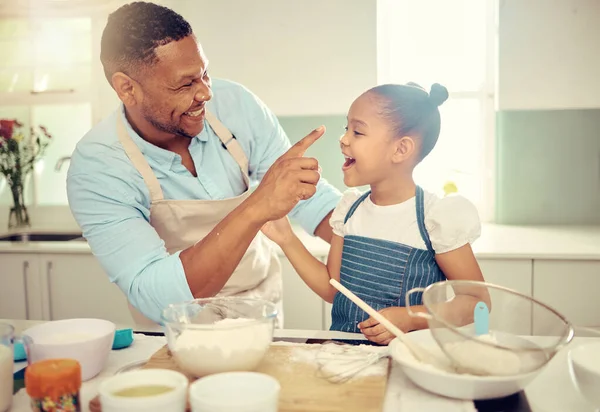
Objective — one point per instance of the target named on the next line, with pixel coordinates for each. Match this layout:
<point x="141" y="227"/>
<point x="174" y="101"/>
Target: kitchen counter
<point x="496" y="242"/>
<point x="551" y="391"/>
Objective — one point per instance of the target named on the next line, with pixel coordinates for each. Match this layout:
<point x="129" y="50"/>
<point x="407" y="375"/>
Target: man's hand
<point x="290" y="179"/>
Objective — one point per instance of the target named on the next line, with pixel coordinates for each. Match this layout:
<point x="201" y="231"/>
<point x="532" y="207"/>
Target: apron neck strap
<point x="230" y="143"/>
<point x="139" y="161"/>
<point x="141" y="164"/>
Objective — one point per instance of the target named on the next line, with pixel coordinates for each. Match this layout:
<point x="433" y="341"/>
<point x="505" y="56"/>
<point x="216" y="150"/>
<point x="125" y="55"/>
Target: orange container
<point x="53" y="385"/>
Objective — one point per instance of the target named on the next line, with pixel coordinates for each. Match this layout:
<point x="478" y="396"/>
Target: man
<point x="161" y="187"/>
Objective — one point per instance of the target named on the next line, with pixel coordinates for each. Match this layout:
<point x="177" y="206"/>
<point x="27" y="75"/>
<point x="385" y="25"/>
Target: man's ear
<point x="128" y="90"/>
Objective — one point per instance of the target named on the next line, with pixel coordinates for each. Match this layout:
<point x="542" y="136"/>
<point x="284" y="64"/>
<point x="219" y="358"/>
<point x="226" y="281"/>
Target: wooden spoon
<point x="417" y="350"/>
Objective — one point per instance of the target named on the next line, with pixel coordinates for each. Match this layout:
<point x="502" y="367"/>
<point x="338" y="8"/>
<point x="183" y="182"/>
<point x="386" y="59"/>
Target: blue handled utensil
<point x="123" y="338"/>
<point x="481" y="316"/>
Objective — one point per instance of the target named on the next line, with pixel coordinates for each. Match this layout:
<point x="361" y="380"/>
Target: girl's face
<point x="368" y="146"/>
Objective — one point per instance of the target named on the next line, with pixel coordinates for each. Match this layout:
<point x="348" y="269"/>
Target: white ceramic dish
<point x="172" y="401"/>
<point x="89" y="341"/>
<point x="584" y="367"/>
<point x="235" y="392"/>
<point x="458" y="386"/>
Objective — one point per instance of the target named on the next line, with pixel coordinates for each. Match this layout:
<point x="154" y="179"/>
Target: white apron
<point x="182" y="223"/>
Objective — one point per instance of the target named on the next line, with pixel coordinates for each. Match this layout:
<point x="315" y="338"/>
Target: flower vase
<point x="18" y="216"/>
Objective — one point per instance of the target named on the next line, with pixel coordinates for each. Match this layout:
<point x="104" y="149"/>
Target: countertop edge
<point x="497" y="242"/>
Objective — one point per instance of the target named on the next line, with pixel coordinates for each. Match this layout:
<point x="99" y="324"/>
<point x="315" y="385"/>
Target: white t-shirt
<point x="451" y="222"/>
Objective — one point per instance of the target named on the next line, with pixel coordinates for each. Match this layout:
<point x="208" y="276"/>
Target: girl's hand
<point x="376" y="332"/>
<point x="279" y="231"/>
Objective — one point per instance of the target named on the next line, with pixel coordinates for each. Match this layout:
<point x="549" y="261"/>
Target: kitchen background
<point x="520" y="134"/>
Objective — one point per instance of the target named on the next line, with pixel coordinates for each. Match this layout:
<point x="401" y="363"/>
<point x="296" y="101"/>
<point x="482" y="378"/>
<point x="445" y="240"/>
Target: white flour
<point x="482" y="359"/>
<point x="341" y="362"/>
<point x="228" y="346"/>
<point x="478" y="359"/>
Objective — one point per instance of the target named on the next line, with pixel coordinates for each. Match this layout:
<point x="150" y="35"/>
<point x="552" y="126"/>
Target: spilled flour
<point x="339" y="363"/>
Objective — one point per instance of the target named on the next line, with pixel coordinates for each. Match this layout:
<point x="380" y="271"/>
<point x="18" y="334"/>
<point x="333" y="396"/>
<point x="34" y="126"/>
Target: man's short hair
<point x="134" y="31"/>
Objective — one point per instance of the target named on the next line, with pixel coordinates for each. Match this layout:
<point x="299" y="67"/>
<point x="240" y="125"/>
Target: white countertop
<point x="551" y="391"/>
<point x="496" y="242"/>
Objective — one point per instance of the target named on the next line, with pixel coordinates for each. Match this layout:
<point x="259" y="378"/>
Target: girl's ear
<point x="404" y="149"/>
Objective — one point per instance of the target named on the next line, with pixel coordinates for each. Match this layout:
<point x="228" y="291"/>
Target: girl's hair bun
<point x="438" y="94"/>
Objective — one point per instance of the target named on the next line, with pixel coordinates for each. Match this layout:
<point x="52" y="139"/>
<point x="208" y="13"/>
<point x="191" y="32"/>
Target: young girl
<point x="396" y="236"/>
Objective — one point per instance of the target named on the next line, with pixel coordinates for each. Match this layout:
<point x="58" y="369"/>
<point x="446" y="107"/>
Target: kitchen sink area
<point x="42" y="237"/>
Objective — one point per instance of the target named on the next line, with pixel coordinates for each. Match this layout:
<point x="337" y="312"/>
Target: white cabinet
<point x="327" y="315"/>
<point x="20" y="292"/>
<point x="512" y="274"/>
<point x="302" y="308"/>
<point x="515" y="275"/>
<point x="77" y="287"/>
<point x="570" y="287"/>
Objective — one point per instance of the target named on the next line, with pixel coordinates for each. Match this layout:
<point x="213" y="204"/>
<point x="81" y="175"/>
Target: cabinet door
<point x="77" y="287"/>
<point x="327" y="315"/>
<point x="20" y="294"/>
<point x="570" y="287"/>
<point x="302" y="308"/>
<point x="515" y="275"/>
<point x="512" y="274"/>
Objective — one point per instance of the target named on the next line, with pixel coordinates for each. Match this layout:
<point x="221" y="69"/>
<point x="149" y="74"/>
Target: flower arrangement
<point x="18" y="155"/>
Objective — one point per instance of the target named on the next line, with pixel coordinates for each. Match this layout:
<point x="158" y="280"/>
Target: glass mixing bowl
<point x="221" y="334"/>
<point x="524" y="333"/>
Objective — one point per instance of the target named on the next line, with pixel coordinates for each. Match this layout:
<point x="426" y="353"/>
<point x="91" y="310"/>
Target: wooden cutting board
<point x="303" y="389"/>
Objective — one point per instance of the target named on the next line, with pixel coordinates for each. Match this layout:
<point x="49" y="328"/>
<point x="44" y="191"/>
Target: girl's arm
<point x="312" y="271"/>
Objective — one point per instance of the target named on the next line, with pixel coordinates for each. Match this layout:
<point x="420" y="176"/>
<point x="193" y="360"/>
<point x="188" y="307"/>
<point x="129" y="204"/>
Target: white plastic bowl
<point x="584" y="366"/>
<point x="452" y="385"/>
<point x="172" y="401"/>
<point x="235" y="392"/>
<point x="88" y="341"/>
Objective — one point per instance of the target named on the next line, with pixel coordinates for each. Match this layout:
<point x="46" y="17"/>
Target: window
<point x="451" y="43"/>
<point x="45" y="79"/>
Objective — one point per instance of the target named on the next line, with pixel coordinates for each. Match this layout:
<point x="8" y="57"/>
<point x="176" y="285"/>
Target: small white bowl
<point x="173" y="401"/>
<point x="453" y="385"/>
<point x="584" y="367"/>
<point x="89" y="341"/>
<point x="235" y="392"/>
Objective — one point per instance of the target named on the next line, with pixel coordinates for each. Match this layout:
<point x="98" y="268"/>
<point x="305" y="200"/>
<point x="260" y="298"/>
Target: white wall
<point x="549" y="54"/>
<point x="300" y="57"/>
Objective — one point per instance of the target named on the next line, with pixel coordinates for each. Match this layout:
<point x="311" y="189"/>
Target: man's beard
<point x="165" y="127"/>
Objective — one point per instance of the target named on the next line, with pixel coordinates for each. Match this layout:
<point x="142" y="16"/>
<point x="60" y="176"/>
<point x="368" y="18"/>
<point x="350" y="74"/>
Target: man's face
<point x="176" y="88"/>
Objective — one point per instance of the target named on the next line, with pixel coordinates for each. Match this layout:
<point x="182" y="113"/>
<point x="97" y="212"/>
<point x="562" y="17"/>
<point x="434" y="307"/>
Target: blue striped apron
<point x="381" y="272"/>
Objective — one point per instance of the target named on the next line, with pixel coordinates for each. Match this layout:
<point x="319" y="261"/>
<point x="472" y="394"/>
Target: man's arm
<point x="134" y="256"/>
<point x="128" y="248"/>
<point x="291" y="178"/>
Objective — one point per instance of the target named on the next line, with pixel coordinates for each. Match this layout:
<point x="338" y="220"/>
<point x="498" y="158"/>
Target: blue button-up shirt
<point x="111" y="202"/>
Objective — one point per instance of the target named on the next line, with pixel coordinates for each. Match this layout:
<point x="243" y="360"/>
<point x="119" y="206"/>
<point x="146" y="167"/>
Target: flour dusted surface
<point x="338" y="362"/>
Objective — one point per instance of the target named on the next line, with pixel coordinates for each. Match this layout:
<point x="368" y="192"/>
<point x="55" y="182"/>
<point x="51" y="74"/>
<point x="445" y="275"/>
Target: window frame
<point x="486" y="95"/>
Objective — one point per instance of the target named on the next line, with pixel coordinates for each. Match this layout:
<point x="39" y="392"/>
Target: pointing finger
<point x="301" y="146"/>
